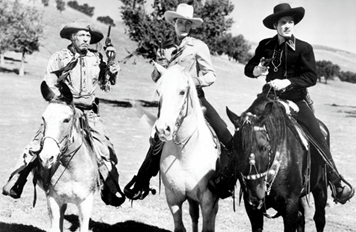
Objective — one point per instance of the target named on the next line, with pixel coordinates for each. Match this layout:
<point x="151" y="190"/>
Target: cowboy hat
<point x="73" y="27"/>
<point x="281" y="10"/>
<point x="184" y="11"/>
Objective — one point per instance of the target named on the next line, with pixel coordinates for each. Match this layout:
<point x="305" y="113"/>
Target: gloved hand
<point x="279" y="84"/>
<point x="161" y="58"/>
<point x="114" y="68"/>
<point x="110" y="53"/>
<point x="262" y="68"/>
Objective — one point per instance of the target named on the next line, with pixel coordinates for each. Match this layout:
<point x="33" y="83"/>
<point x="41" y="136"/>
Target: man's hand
<point x="110" y="53"/>
<point x="114" y="68"/>
<point x="279" y="84"/>
<point x="161" y="58"/>
<point x="261" y="69"/>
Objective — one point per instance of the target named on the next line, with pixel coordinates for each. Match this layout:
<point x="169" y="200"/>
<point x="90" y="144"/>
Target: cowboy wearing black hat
<point x="83" y="70"/>
<point x="289" y="67"/>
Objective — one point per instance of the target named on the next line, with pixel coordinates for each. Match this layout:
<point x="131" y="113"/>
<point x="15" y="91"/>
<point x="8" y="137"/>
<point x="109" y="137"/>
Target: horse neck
<point x="75" y="146"/>
<point x="194" y="122"/>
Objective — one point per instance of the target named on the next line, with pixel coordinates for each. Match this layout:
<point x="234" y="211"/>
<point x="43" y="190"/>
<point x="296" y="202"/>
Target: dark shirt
<point x="293" y="60"/>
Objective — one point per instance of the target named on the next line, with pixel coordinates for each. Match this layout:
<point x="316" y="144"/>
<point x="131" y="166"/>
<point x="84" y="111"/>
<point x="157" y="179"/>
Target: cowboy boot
<point x="18" y="179"/>
<point x="341" y="193"/>
<point x="138" y="187"/>
<point x="224" y="181"/>
<point x="111" y="192"/>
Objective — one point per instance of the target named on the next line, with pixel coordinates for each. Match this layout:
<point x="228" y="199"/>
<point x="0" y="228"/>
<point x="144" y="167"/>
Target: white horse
<point x="68" y="171"/>
<point x="189" y="154"/>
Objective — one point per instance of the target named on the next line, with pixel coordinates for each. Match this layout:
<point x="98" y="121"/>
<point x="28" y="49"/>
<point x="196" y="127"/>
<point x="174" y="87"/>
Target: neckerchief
<point x="64" y="72"/>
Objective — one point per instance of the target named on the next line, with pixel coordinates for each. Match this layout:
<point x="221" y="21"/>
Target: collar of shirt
<point x="290" y="42"/>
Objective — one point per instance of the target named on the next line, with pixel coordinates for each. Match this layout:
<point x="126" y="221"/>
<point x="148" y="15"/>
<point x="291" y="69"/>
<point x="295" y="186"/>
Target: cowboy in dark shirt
<point x="289" y="66"/>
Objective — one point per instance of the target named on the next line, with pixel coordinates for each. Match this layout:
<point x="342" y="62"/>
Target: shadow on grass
<point x="7" y="70"/>
<point x="127" y="226"/>
<point x="127" y="102"/>
<point x="18" y="228"/>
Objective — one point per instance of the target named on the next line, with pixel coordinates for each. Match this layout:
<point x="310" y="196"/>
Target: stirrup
<point x="133" y="193"/>
<point x="334" y="192"/>
<point x="14" y="186"/>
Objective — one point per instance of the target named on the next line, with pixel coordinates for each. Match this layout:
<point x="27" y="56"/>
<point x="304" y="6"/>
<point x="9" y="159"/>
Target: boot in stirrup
<point x="340" y="193"/>
<point x="18" y="179"/>
<point x="111" y="192"/>
<point x="224" y="181"/>
<point x="138" y="188"/>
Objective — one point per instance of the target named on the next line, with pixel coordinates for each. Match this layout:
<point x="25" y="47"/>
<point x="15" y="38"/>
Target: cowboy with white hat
<point x="290" y="70"/>
<point x="193" y="54"/>
<point x="83" y="70"/>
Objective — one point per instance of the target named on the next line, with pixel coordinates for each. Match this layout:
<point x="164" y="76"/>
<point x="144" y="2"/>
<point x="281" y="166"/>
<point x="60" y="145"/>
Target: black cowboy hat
<point x="281" y="10"/>
<point x="73" y="27"/>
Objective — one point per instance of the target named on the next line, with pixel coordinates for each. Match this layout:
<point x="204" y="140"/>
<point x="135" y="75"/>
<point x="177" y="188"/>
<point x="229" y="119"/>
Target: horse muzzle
<point x="256" y="194"/>
<point x="164" y="132"/>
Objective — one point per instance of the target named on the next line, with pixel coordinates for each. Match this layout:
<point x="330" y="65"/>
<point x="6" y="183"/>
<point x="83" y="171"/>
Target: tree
<point x="106" y="20"/>
<point x="85" y="8"/>
<point x="150" y="30"/>
<point x="326" y="69"/>
<point x="22" y="31"/>
<point x="5" y="40"/>
<point x="60" y="5"/>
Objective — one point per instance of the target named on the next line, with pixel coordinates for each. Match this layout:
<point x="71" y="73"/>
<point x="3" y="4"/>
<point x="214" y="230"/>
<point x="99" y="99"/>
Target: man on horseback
<point x="83" y="70"/>
<point x="289" y="66"/>
<point x="194" y="55"/>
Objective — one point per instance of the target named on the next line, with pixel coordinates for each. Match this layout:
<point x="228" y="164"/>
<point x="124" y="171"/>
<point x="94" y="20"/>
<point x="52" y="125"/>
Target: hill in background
<point x="54" y="20"/>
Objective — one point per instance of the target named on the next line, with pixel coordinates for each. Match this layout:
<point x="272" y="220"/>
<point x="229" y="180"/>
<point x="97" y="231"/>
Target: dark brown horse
<point x="277" y="165"/>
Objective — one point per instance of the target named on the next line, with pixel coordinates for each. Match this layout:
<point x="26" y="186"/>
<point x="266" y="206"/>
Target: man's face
<point x="285" y="26"/>
<point x="183" y="27"/>
<point x="81" y="41"/>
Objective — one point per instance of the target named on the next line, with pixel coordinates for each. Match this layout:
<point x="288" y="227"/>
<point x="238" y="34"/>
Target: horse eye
<point x="66" y="120"/>
<point x="182" y="92"/>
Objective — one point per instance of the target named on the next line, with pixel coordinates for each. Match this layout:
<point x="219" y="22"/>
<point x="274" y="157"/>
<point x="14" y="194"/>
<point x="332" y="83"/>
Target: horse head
<point x="58" y="120"/>
<point x="254" y="146"/>
<point x="177" y="95"/>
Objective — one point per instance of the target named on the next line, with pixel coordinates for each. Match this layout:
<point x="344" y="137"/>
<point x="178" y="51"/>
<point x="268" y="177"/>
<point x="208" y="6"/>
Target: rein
<point x="182" y="115"/>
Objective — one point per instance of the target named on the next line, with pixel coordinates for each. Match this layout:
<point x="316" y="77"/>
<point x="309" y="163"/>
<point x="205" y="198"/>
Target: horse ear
<point x="234" y="118"/>
<point x="47" y="93"/>
<point x="159" y="68"/>
<point x="66" y="94"/>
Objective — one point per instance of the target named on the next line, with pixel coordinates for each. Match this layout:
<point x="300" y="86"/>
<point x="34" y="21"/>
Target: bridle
<point x="273" y="165"/>
<point x="65" y="142"/>
<point x="181" y="116"/>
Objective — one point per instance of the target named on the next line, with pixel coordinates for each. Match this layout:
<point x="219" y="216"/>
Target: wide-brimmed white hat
<point x="184" y="11"/>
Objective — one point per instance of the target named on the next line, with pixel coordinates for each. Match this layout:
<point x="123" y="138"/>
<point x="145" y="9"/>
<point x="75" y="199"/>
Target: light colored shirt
<point x="196" y="57"/>
<point x="82" y="79"/>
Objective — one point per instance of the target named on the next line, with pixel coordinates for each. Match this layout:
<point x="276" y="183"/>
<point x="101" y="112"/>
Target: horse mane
<point x="274" y="118"/>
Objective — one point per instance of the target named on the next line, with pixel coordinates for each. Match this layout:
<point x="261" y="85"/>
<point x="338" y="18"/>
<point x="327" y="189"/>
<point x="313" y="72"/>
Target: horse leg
<point x="320" y="200"/>
<point x="301" y="215"/>
<point x="56" y="214"/>
<point x="175" y="206"/>
<point x="84" y="210"/>
<point x="292" y="210"/>
<point x="255" y="216"/>
<point x="194" y="214"/>
<point x="209" y="207"/>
